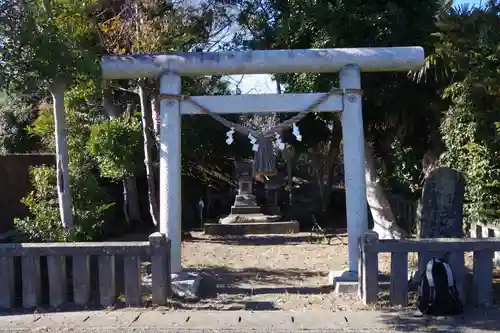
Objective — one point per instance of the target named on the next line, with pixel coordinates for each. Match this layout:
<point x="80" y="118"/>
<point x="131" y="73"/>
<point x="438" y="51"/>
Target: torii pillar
<point x="350" y="62"/>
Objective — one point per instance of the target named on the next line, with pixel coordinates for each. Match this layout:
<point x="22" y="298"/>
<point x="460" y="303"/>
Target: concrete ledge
<point x="216" y="229"/>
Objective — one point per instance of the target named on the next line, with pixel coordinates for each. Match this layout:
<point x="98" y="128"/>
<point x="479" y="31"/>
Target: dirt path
<point x="270" y="272"/>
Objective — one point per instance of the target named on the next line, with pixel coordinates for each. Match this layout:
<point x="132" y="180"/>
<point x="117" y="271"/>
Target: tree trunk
<point x="62" y="157"/>
<point x="132" y="198"/>
<point x="146" y="117"/>
<point x="278" y="84"/>
<point x="383" y="218"/>
<point x="155" y="109"/>
<point x="125" y="202"/>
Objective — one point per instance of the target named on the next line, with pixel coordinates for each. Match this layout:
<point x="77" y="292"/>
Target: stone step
<point x="245" y="210"/>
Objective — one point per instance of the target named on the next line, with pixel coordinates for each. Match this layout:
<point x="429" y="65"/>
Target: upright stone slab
<point x="441" y="206"/>
<point x="441" y="216"/>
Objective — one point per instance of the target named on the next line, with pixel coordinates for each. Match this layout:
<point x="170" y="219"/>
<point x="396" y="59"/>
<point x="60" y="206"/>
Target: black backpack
<point x="437" y="292"/>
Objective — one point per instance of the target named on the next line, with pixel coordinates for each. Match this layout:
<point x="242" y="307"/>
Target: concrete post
<point x="170" y="167"/>
<point x="58" y="286"/>
<point x="107" y="280"/>
<point x="161" y="284"/>
<point x="81" y="280"/>
<point x="7" y="282"/>
<point x="354" y="163"/>
<point x="32" y="282"/>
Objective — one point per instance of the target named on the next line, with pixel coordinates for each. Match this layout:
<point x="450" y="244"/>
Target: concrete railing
<point x="56" y="254"/>
<point x="482" y="230"/>
<point x="479" y="292"/>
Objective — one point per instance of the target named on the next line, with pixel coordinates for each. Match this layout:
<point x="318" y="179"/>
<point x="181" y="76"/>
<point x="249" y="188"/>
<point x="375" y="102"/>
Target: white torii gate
<point x="171" y="66"/>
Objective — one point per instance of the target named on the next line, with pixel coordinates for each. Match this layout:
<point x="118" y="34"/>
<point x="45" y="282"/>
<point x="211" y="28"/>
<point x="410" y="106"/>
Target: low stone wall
<point x="73" y="285"/>
<point x="481" y="230"/>
<point x="479" y="291"/>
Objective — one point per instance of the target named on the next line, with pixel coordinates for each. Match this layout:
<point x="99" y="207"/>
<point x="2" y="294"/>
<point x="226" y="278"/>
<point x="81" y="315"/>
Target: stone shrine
<point x="245" y="208"/>
<point x="272" y="186"/>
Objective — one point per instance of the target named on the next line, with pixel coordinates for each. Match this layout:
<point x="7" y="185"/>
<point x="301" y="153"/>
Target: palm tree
<point x="456" y="38"/>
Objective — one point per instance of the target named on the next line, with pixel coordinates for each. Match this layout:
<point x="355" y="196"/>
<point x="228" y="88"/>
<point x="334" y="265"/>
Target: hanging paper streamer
<point x="253" y="141"/>
<point x="230" y="138"/>
<point x="278" y="141"/>
<point x="296" y="132"/>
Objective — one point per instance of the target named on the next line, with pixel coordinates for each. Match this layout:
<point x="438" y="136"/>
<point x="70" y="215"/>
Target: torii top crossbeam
<point x="389" y="59"/>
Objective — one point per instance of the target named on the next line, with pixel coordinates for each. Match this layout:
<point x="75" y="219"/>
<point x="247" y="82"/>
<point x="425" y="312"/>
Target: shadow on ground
<point x="252" y="288"/>
<point x="222" y="289"/>
<point x="485" y="319"/>
<point x="257" y="276"/>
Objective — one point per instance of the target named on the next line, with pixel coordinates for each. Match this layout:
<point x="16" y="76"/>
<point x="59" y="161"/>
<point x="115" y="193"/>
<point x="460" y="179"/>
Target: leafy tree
<point x="47" y="45"/>
<point x="465" y="63"/>
<point x="115" y="145"/>
<point x="150" y="26"/>
<point x="91" y="203"/>
<point x="14" y="117"/>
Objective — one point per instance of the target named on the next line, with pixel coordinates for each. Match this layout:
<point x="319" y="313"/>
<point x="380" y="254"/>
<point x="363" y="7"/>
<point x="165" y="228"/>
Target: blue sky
<point x="262" y="84"/>
<point x="472" y="2"/>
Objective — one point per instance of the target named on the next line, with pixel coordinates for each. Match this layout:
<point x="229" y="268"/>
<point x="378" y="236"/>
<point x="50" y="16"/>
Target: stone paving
<point x="138" y="320"/>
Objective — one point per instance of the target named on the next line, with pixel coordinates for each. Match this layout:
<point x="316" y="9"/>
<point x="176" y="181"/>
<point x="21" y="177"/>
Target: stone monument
<point x="245" y="208"/>
<point x="440" y="215"/>
<point x="441" y="207"/>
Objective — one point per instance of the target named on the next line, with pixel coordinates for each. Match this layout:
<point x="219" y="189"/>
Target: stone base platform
<point x="345" y="282"/>
<point x="188" y="285"/>
<point x="249" y="218"/>
<point x="252" y="228"/>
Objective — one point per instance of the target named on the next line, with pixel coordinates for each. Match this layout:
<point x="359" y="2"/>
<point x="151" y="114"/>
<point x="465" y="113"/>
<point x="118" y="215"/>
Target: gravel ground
<point x="270" y="272"/>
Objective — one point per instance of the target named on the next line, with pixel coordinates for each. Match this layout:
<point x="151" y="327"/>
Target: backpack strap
<point x="430" y="279"/>
<point x="428" y="273"/>
<point x="449" y="274"/>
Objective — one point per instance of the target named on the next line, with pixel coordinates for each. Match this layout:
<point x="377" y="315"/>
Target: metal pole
<point x="201" y="205"/>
